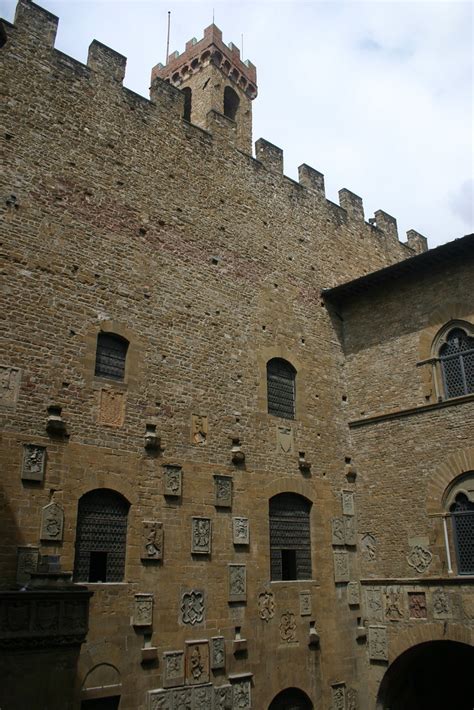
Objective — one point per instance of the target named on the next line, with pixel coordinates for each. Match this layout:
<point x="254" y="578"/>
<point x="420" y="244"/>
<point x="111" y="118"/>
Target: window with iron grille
<point x="457" y="363"/>
<point x="110" y="356"/>
<point x="101" y="536"/>
<point x="281" y="376"/>
<point x="290" y="541"/>
<point x="463" y="525"/>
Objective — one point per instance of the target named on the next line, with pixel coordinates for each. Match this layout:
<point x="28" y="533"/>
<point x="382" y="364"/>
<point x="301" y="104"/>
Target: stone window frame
<point x="464" y="484"/>
<point x="307" y="500"/>
<point x="281" y="352"/>
<point x="132" y="361"/>
<point x="290" y="376"/>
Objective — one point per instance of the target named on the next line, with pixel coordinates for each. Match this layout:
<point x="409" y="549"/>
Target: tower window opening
<point x="187" y="104"/>
<point x="231" y="103"/>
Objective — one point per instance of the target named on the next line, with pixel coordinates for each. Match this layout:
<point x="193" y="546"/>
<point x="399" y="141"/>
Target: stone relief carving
<point x="288" y="627"/>
<point x="341" y="566"/>
<point x="338" y="537"/>
<point x="417" y="605"/>
<point x="152" y="537"/>
<point x="173" y="481"/>
<point x="419" y="558"/>
<point x="378" y="646"/>
<point x="240" y="531"/>
<point x="199" y="429"/>
<point x="223" y="697"/>
<point x="266" y="605"/>
<point x="223" y="491"/>
<point x="285" y="440"/>
<point x="160" y="700"/>
<point x="217" y="652"/>
<point x="183" y="699"/>
<point x="353" y="594"/>
<point x="27" y="562"/>
<point x="34" y="461"/>
<point x="111" y="408"/>
<point x="9" y="385"/>
<point x="351" y="699"/>
<point x="347" y="498"/>
<point x="305" y="603"/>
<point x="373" y="597"/>
<point x="202" y="697"/>
<point x="368" y="545"/>
<point x="393" y="603"/>
<point x="237" y="583"/>
<point x="143" y="610"/>
<point x="197" y="662"/>
<point x="52" y="522"/>
<point x="441" y="605"/>
<point x="201" y="536"/>
<point x="173" y="668"/>
<point x="192" y="607"/>
<point x="241" y="695"/>
<point x="350" y="532"/>
<point x="338" y="692"/>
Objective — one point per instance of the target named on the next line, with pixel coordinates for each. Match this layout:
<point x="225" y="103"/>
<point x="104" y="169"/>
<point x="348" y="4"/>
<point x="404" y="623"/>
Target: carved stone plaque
<point x="338" y="692"/>
<point x="353" y="594"/>
<point x="368" y="546"/>
<point x="197" y="662"/>
<point x="111" y="408"/>
<point x="285" y="440"/>
<point x="201" y="536"/>
<point x="347" y="498"/>
<point x="160" y="700"/>
<point x="266" y="605"/>
<point x="52" y="522"/>
<point x="199" y="429"/>
<point x="202" y="697"/>
<point x="305" y="603"/>
<point x="417" y="605"/>
<point x="223" y="491"/>
<point x="217" y="652"/>
<point x="241" y="698"/>
<point x="27" y="562"/>
<point x="351" y="699"/>
<point x="441" y="604"/>
<point x="223" y="697"/>
<point x="237" y="583"/>
<point x="288" y="627"/>
<point x="374" y="604"/>
<point x="172" y="481"/>
<point x="350" y="532"/>
<point x="152" y="540"/>
<point x="240" y="531"/>
<point x="341" y="566"/>
<point x="9" y="385"/>
<point x="378" y="645"/>
<point x="173" y="668"/>
<point x="338" y="532"/>
<point x="143" y="610"/>
<point x="419" y="558"/>
<point x="192" y="607"/>
<point x="183" y="698"/>
<point x="393" y="603"/>
<point x="33" y="464"/>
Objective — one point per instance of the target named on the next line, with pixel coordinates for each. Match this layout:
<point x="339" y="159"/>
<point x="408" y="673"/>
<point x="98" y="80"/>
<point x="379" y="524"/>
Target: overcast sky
<point x="377" y="95"/>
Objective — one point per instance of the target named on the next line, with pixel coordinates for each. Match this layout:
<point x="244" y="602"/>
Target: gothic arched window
<point x="281" y="376"/>
<point x="462" y="511"/>
<point x="111" y="355"/>
<point x="290" y="540"/>
<point x="101" y="536"/>
<point x="231" y="103"/>
<point x="456" y="357"/>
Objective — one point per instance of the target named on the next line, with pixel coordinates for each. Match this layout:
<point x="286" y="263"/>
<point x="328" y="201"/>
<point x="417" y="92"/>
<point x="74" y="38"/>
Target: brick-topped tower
<point x="214" y="78"/>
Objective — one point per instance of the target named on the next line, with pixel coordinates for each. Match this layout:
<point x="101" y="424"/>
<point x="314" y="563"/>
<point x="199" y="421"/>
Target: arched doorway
<point x="291" y="699"/>
<point x="430" y="676"/>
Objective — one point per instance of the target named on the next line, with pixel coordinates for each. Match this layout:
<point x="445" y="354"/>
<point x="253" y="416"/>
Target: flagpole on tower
<point x="168" y="38"/>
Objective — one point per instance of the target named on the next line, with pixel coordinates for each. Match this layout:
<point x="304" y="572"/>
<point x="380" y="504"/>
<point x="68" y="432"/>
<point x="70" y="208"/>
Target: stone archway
<point x="291" y="699"/>
<point x="429" y="676"/>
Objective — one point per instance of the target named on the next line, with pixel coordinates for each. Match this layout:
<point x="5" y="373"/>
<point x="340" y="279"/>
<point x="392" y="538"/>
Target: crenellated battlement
<point x="167" y="103"/>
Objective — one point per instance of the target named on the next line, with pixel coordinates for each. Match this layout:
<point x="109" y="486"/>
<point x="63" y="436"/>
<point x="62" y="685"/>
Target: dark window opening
<point x="110" y="356"/>
<point x="97" y="566"/>
<point x="281" y="377"/>
<point x="187" y="104"/>
<point x="463" y="524"/>
<point x="290" y="540"/>
<point x="231" y="103"/>
<point x="111" y="703"/>
<point x="457" y="363"/>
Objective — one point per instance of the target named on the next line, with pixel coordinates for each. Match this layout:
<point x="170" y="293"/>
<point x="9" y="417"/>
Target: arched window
<point x="456" y="357"/>
<point x="463" y="527"/>
<point x="290" y="541"/>
<point x="187" y="103"/>
<point x="281" y="376"/>
<point x="231" y="103"/>
<point x="110" y="356"/>
<point x="101" y="536"/>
